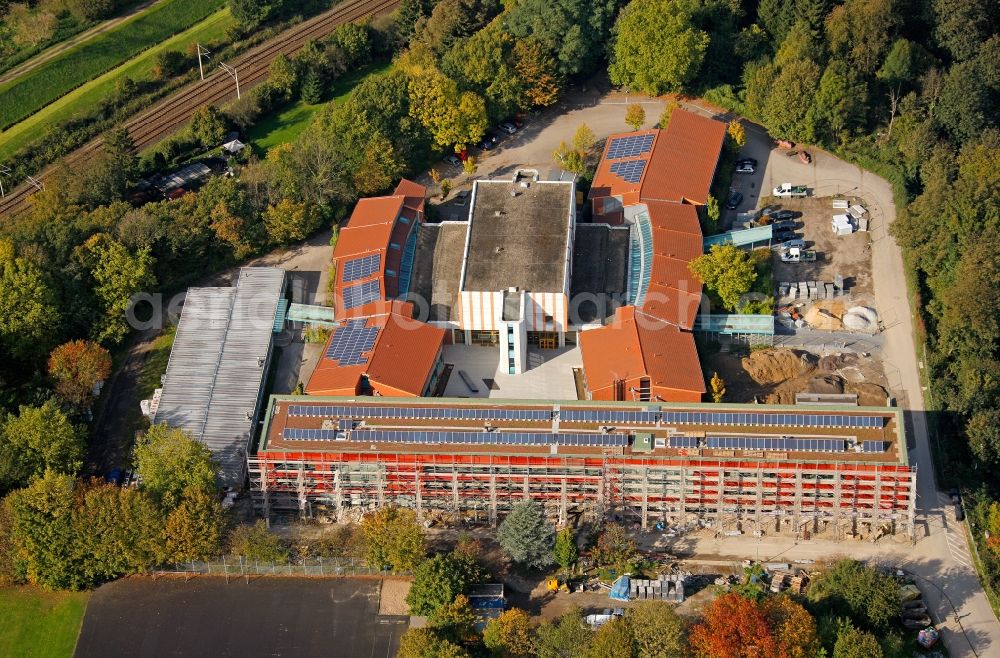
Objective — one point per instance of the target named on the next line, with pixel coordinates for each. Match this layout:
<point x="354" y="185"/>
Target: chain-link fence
<point x="240" y="567"/>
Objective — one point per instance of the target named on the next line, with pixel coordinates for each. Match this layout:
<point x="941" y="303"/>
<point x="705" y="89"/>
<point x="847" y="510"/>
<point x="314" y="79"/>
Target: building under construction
<point x="736" y="468"/>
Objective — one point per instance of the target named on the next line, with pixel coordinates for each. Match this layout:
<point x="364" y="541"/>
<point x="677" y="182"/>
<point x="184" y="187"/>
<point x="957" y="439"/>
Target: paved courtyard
<point x="549" y="375"/>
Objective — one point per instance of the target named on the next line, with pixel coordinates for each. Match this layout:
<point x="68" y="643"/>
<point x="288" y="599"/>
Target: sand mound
<point x="834" y="362"/>
<point x="869" y="395"/>
<point x="776" y="366"/>
<point x="826" y="384"/>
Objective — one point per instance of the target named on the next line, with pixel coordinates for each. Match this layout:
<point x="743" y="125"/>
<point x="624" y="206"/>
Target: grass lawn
<point x="156" y="363"/>
<point x="286" y="125"/>
<point x="84" y="98"/>
<point x="40" y="624"/>
<point x="26" y="94"/>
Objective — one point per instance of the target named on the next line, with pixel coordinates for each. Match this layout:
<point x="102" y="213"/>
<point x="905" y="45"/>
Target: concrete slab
<point x="549" y="375"/>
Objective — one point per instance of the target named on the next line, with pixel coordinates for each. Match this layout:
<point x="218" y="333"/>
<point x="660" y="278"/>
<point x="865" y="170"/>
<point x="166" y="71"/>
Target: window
<point x="403" y="220"/>
<point x="390" y="273"/>
<point x="393" y="245"/>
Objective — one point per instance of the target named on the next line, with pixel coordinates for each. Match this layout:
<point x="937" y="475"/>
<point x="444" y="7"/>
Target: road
<point x="63" y="46"/>
<point x="169" y="115"/>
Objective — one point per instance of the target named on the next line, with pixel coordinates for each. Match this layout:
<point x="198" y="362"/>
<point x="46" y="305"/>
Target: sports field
<point x="26" y="94"/>
<point x="85" y="97"/>
<point x="39" y="624"/>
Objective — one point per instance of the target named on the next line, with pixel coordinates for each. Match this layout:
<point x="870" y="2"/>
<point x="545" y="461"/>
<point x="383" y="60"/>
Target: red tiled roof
<point x="372" y="227"/>
<point x="674" y="216"/>
<point x="684" y="159"/>
<point x="638" y="345"/>
<point x="400" y="362"/>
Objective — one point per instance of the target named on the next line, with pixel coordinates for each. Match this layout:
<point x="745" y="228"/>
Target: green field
<point x="40" y="624"/>
<point x="84" y="98"/>
<point x="28" y="93"/>
<point x="286" y="125"/>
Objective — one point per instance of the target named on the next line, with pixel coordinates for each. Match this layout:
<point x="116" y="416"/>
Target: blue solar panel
<point x="775" y="443"/>
<point x="299" y="434"/>
<point x="489" y="438"/>
<point x="420" y="413"/>
<point x="608" y="416"/>
<point x="629" y="147"/>
<point x="683" y="442"/>
<point x="350" y="342"/>
<point x="359" y="268"/>
<point x="873" y="446"/>
<point x="361" y="293"/>
<point x="629" y="170"/>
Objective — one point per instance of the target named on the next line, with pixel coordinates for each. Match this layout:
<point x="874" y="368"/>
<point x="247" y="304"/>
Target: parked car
<point x="784" y="224"/>
<point x="955" y="496"/>
<point x="487" y="144"/>
<point x="959" y="512"/>
<point x="794" y="243"/>
<point x="779" y="215"/>
<point x="783" y="235"/>
<point x="735" y="198"/>
<point x="745" y="168"/>
<point x="453" y="161"/>
<point x="749" y="161"/>
<point x="508" y="127"/>
<point x="805" y="157"/>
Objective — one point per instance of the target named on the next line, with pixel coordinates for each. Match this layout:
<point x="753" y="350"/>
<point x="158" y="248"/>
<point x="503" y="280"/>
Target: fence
<point x="239" y="567"/>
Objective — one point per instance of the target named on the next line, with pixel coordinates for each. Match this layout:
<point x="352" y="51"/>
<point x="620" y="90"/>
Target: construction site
<point x="736" y="469"/>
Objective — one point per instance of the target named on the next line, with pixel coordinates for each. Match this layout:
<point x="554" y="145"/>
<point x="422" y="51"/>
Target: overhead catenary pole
<point x="4" y="171"/>
<point x="202" y="52"/>
<point x="234" y="74"/>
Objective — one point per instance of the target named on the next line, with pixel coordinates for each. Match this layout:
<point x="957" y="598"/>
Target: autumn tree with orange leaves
<point x="76" y="367"/>
<point x="738" y="627"/>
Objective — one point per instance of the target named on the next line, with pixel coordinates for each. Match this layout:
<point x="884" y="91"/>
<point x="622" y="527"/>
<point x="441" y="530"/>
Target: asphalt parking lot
<point x="205" y="616"/>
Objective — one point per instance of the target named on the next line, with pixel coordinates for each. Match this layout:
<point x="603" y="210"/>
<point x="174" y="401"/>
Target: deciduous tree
<point x="117" y="274"/>
<point x="718" y="388"/>
<point x="658" y="46"/>
<point x="727" y="272"/>
<point x="208" y="126"/>
<point x="393" y="538"/>
<point x="615" y="548"/>
<point x="41" y="533"/>
<point x="612" y="640"/>
<point x="983" y="430"/>
<point x="849" y="587"/>
<point x="424" y="643"/>
<point x="438" y="580"/>
<point x="790" y="98"/>
<point x="565" y="551"/>
<point x="657" y="631"/>
<point x="510" y="635"/>
<point x="77" y="367"/>
<point x="29" y="315"/>
<point x="855" y="643"/>
<point x="194" y="528"/>
<point x="538" y="73"/>
<point x="289" y="221"/>
<point x="734" y="627"/>
<point x="635" y="116"/>
<point x="38" y="439"/>
<point x="455" y="621"/>
<point x="254" y="541"/>
<point x="566" y="637"/>
<point x="170" y="462"/>
<point x="526" y="536"/>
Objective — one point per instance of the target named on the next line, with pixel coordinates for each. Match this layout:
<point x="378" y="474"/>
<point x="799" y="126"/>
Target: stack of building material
<point x="842" y="225"/>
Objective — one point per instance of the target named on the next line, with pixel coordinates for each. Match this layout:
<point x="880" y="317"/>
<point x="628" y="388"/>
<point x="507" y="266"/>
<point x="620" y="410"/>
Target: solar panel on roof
<point x="630" y="146"/>
<point x="629" y="170"/>
<point x="359" y="268"/>
<point x="349" y="343"/>
<point x="361" y="293"/>
<point x="873" y="446"/>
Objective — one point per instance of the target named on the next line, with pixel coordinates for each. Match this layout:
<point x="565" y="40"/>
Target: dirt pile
<point x="776" y="366"/>
<point x="826" y="385"/>
<point x="869" y="395"/>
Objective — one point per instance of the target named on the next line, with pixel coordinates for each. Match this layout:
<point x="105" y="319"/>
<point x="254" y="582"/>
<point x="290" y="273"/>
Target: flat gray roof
<point x="519" y="236"/>
<point x="437" y="267"/>
<point x="600" y="270"/>
<point x="218" y="364"/>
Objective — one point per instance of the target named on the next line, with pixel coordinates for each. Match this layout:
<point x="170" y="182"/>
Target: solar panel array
<point x="683" y="442"/>
<point x="874" y="446"/>
<point x="619" y="417"/>
<point x="775" y="443"/>
<point x="359" y="268"/>
<point x="629" y="147"/>
<point x="772" y="419"/>
<point x="361" y="293"/>
<point x="419" y="413"/>
<point x="350" y="342"/>
<point x="629" y="170"/>
<point x="490" y="438"/>
<point x="299" y="434"/>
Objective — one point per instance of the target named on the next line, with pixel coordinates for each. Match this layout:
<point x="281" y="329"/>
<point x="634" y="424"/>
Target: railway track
<point x="171" y="113"/>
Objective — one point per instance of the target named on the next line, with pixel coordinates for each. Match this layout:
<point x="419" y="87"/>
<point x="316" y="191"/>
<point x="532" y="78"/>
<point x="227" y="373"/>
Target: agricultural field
<point x="85" y="97"/>
<point x="288" y="123"/>
<point x="40" y="624"/>
<point x="28" y="93"/>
